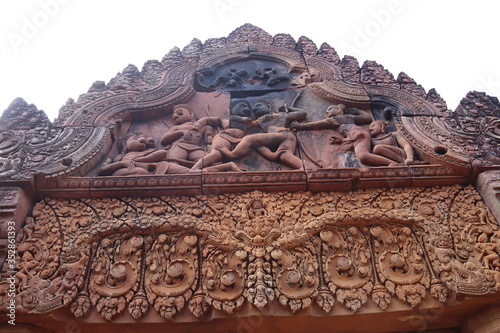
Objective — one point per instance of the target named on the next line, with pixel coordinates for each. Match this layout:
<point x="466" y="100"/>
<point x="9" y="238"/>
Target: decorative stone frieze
<point x="218" y="252"/>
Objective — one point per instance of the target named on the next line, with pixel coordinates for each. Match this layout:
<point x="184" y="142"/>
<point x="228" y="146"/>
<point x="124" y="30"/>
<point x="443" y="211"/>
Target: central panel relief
<point x="258" y="114"/>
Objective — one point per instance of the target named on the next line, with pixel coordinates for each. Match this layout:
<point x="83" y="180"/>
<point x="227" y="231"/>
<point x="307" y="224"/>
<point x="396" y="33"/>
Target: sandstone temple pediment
<point x="251" y="176"/>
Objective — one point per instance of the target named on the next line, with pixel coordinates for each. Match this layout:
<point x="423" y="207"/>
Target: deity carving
<point x="258" y="74"/>
<point x="269" y="76"/>
<point x="233" y="129"/>
<point x="393" y="146"/>
<point x="375" y="147"/>
<point x="261" y="126"/>
<point x="287" y="89"/>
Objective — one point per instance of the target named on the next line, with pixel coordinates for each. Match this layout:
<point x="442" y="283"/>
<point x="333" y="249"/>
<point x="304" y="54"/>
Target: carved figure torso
<point x="386" y="139"/>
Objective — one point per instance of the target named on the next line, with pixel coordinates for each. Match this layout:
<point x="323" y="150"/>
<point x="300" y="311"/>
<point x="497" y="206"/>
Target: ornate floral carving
<point x="400" y="263"/>
<point x="220" y="251"/>
<point x="346" y="256"/>
<point x="170" y="274"/>
<point x="115" y="274"/>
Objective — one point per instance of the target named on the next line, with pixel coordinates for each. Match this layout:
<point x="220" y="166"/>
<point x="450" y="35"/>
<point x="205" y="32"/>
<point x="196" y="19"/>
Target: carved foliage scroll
<point x="170" y="273"/>
<point x="218" y="252"/>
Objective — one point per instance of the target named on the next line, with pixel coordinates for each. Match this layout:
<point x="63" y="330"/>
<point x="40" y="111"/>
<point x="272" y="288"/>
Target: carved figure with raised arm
<point x="185" y="142"/>
<point x="336" y="115"/>
<point x="276" y="143"/>
<point x="233" y="128"/>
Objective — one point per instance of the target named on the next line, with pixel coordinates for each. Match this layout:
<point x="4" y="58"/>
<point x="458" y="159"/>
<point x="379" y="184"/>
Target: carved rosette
<point x="223" y="278"/>
<point x="297" y="277"/>
<point x="216" y="252"/>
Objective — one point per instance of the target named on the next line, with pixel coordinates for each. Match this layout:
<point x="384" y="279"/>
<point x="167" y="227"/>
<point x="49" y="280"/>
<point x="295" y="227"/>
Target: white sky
<point x="51" y="50"/>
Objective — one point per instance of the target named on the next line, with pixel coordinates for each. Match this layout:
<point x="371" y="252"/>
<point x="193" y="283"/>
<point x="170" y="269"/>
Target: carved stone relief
<point x="287" y="126"/>
<point x="145" y="189"/>
<point x="476" y="125"/>
<point x="287" y="87"/>
<point x="216" y="252"/>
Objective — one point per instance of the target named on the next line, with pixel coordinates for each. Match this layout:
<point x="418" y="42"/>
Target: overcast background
<point x="51" y="50"/>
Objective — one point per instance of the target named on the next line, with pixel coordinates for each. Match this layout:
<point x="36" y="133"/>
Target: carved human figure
<point x="491" y="259"/>
<point x="336" y="115"/>
<point x="269" y="76"/>
<point x="265" y="117"/>
<point x="279" y="137"/>
<point x="233" y="79"/>
<point x="276" y="142"/>
<point x="26" y="269"/>
<point x="185" y="143"/>
<point x="261" y="108"/>
<point x="259" y="224"/>
<point x="67" y="278"/>
<point x="233" y="128"/>
<point x="390" y="145"/>
<point x="256" y="209"/>
<point x="140" y="158"/>
<point x="360" y="141"/>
